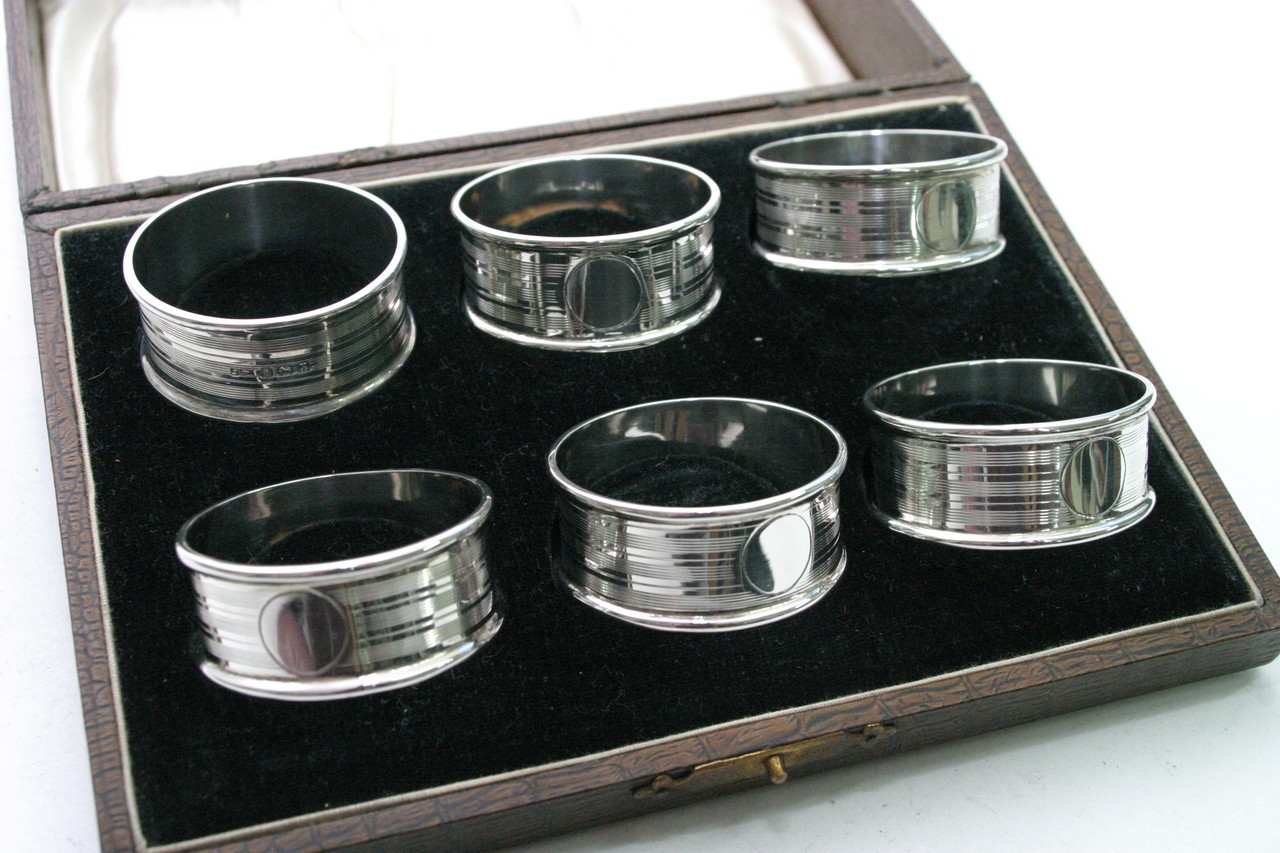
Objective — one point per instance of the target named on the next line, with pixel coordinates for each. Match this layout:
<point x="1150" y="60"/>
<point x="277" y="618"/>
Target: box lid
<point x="885" y="45"/>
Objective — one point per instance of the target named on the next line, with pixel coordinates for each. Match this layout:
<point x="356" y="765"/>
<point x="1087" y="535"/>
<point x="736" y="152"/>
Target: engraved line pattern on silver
<point x="589" y="252"/>
<point x="362" y="623"/>
<point x="687" y="569"/>
<point x="956" y="457"/>
<point x="279" y="356"/>
<point x="880" y="202"/>
<point x="685" y="565"/>
<point x="525" y="289"/>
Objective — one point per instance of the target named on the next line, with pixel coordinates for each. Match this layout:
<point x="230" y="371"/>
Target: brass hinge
<point x="769" y="765"/>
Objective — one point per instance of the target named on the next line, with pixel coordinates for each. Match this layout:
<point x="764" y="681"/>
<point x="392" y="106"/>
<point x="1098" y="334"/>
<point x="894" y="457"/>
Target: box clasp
<point x="772" y="765"/>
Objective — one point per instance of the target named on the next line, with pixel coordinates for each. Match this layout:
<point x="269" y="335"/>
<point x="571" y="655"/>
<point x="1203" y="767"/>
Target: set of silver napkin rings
<point x="704" y="514"/>
<point x="281" y="299"/>
<point x="694" y="515"/>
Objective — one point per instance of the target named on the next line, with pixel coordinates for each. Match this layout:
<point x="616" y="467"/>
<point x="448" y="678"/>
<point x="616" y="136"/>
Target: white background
<point x="1151" y="125"/>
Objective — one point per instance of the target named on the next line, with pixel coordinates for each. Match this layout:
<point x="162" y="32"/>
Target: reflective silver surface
<point x="879" y="202"/>
<point x="318" y="317"/>
<point x="342" y="585"/>
<point x="1010" y="453"/>
<point x="762" y="542"/>
<point x="592" y="252"/>
<point x="777" y="554"/>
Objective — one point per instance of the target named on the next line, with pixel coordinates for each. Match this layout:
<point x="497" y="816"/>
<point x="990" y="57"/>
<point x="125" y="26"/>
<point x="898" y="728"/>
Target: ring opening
<point x="882" y="148"/>
<point x="585" y="197"/>
<point x="1008" y="393"/>
<point x="264" y="249"/>
<point x="339" y="517"/>
<point x="698" y="453"/>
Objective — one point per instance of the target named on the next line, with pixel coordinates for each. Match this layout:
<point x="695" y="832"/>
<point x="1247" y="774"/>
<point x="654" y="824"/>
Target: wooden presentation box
<point x="569" y="718"/>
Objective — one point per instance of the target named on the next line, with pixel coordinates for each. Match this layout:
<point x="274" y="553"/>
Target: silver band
<point x="271" y="300"/>
<point x="704" y="514"/>
<point x="594" y="252"/>
<point x="342" y="585"/>
<point x="879" y="202"/>
<point x="1010" y="454"/>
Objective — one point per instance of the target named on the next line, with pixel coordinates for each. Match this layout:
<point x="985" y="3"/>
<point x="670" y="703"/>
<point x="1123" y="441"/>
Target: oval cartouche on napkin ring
<point x="589" y="252"/>
<point x="276" y="299"/>
<point x="1010" y="453"/>
<point x="342" y="585"/>
<point x="703" y="514"/>
<point x="879" y="202"/>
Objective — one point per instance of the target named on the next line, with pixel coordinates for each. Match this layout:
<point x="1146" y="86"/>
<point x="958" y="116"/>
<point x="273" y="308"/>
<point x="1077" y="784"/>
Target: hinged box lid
<point x="882" y="45"/>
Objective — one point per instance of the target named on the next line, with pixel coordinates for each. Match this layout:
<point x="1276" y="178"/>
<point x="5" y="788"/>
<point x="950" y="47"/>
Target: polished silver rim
<point x="1023" y="382"/>
<point x="878" y="153"/>
<point x="502" y="201"/>
<point x="881" y="268"/>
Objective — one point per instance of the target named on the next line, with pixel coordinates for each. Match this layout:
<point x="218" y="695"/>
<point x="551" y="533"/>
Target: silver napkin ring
<point x="342" y="585"/>
<point x="591" y="252"/>
<point x="271" y="300"/>
<point x="879" y="202"/>
<point x="704" y="514"/>
<point x="1010" y="454"/>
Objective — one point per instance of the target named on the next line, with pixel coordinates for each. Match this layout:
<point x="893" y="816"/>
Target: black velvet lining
<point x="273" y="283"/>
<point x="987" y="413"/>
<point x="684" y="479"/>
<point x="592" y="222"/>
<point x="335" y="540"/>
<point x="561" y="680"/>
